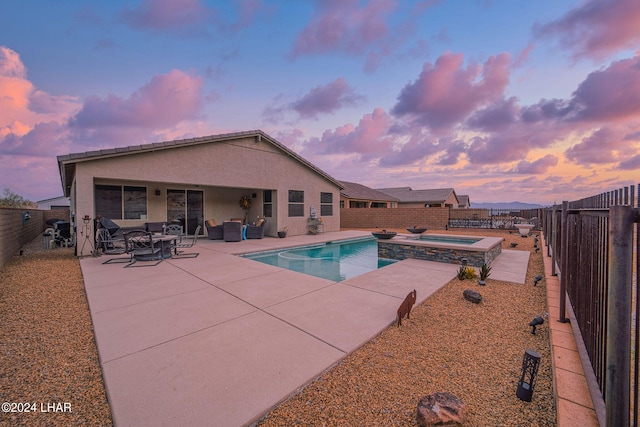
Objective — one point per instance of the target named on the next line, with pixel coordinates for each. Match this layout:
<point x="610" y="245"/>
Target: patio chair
<point x="175" y="230"/>
<point x="111" y="246"/>
<point x="187" y="244"/>
<point x="142" y="247"/>
<point x="256" y="231"/>
<point x="214" y="231"/>
<point x="232" y="231"/>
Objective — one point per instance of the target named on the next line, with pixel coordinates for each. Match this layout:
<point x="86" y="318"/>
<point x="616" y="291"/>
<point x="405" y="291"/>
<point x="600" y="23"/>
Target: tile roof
<point x="406" y="194"/>
<point x="353" y="190"/>
<point x="66" y="163"/>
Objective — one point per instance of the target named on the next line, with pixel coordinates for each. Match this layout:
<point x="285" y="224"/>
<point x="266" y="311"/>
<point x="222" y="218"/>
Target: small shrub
<point x="466" y="273"/>
<point x="471" y="273"/>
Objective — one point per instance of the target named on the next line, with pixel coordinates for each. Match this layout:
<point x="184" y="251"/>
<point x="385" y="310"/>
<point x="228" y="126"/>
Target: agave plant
<point x="485" y="271"/>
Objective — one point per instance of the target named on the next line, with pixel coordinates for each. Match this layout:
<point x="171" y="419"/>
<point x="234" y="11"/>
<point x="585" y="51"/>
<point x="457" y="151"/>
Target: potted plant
<point x="282" y="234"/>
<point x="245" y="204"/>
<point x="485" y="271"/>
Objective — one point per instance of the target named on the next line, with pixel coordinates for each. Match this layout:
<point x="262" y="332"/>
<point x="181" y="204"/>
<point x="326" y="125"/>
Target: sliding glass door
<point x="187" y="208"/>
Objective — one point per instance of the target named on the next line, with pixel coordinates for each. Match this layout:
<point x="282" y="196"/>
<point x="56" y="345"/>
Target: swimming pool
<point x="334" y="261"/>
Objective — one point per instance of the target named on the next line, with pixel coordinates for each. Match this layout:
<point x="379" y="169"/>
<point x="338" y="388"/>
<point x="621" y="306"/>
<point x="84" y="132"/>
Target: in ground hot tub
<point x="449" y="248"/>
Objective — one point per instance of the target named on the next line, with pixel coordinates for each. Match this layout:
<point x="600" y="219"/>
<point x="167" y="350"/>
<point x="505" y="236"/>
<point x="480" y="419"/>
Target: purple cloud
<point x="598" y="148"/>
<point x="597" y="28"/>
<point x="326" y="99"/>
<point x="162" y="15"/>
<point x="165" y="101"/>
<point x="417" y="148"/>
<point x="495" y="117"/>
<point x="44" y="140"/>
<point x="344" y="25"/>
<point x="537" y="167"/>
<point x="630" y="164"/>
<point x="609" y="94"/>
<point x="446" y="93"/>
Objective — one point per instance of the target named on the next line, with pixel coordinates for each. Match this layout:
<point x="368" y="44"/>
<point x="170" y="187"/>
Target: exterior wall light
<point x="25" y="216"/>
<point x="530" y="364"/>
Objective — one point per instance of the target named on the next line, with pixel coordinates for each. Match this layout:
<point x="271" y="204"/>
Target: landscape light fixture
<point x="530" y="364"/>
<point x="536" y="280"/>
<point x="535" y="322"/>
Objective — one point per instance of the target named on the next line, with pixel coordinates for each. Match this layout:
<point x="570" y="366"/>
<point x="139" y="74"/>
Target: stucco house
<point x="465" y="201"/>
<point x="55" y="203"/>
<point x="194" y="180"/>
<point x="355" y="195"/>
<point x="437" y="197"/>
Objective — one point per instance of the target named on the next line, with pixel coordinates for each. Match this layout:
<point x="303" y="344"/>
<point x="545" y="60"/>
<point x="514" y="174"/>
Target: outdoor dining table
<point x="165" y="241"/>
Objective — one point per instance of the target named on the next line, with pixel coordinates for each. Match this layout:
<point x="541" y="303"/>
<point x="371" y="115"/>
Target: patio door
<point x="187" y="208"/>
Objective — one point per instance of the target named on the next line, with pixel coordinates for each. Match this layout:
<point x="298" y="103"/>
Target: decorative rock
<point x="472" y="296"/>
<point x="441" y="408"/>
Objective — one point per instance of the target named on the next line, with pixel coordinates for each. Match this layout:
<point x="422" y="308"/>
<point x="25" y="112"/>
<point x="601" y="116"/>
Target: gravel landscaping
<point x="48" y="359"/>
<point x="48" y="353"/>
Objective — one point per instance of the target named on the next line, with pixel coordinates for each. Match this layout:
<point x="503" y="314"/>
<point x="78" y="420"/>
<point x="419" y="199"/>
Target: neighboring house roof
<point x="66" y="163"/>
<point x="431" y="196"/>
<point x="353" y="190"/>
<point x="464" y="200"/>
<point x="54" y="201"/>
<point x="59" y="199"/>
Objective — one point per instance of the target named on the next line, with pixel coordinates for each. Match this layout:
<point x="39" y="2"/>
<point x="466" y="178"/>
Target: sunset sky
<point x="503" y="100"/>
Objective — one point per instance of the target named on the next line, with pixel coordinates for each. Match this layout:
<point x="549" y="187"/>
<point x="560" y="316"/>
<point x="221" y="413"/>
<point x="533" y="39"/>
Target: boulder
<point x="472" y="296"/>
<point x="441" y="408"/>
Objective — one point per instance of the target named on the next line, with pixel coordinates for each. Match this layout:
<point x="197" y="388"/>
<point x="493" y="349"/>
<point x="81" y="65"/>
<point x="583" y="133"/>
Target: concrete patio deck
<point x="220" y="339"/>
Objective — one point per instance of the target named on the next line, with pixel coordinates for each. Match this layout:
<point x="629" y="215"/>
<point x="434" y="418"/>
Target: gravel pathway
<point x="48" y="359"/>
<point x="48" y="353"/>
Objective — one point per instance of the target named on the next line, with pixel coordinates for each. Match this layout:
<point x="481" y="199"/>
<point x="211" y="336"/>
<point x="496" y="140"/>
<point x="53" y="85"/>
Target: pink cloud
<point x="600" y="147"/>
<point x="166" y="14"/>
<point x="10" y="64"/>
<point x="537" y="167"/>
<point x="368" y="139"/>
<point x="446" y="93"/>
<point x="165" y="101"/>
<point x="597" y="28"/>
<point x="344" y="25"/>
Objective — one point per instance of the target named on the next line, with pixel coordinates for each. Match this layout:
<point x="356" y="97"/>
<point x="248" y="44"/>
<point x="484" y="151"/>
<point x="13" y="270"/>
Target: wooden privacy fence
<point x="594" y="243"/>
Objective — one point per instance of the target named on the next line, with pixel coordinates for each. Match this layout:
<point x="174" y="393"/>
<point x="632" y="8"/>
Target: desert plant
<point x="466" y="272"/>
<point x="471" y="273"/>
<point x="485" y="271"/>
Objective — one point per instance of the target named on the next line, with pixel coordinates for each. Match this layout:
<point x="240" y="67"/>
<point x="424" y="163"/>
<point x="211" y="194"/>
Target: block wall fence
<point x="432" y="218"/>
<point x="15" y="233"/>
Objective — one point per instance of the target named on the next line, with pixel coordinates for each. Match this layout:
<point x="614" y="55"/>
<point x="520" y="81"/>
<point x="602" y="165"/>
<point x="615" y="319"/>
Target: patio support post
<point x="617" y="387"/>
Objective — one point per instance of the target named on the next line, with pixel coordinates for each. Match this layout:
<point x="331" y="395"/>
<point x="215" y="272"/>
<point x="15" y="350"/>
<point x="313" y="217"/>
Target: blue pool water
<point x="456" y="240"/>
<point x="335" y="261"/>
